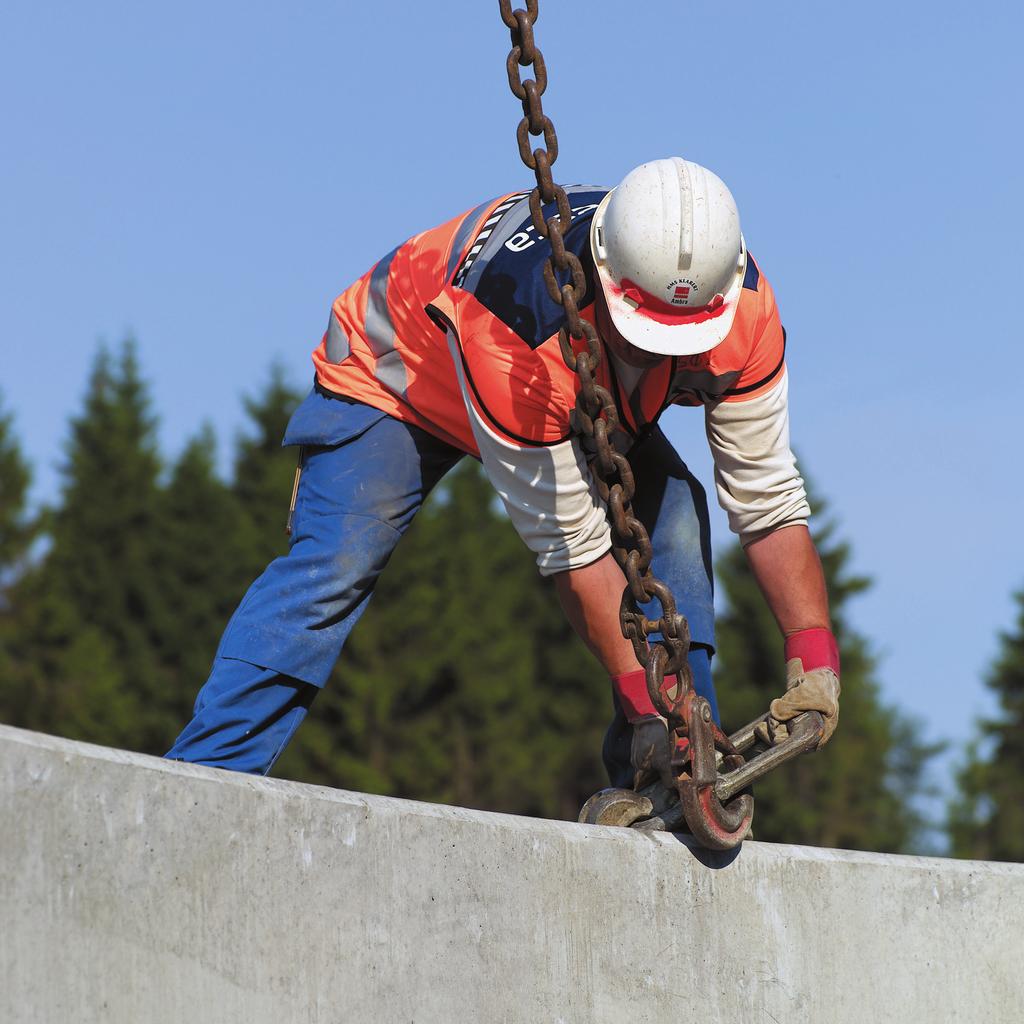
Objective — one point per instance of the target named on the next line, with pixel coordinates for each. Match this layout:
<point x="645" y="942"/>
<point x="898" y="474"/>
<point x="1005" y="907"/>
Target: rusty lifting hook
<point x="710" y="797"/>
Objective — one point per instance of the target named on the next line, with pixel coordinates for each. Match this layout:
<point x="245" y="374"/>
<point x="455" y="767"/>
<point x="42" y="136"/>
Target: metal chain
<point x="595" y="417"/>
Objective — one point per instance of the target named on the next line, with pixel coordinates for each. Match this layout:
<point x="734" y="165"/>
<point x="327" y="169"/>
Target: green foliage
<point x="201" y="564"/>
<point x="16" y="533"/>
<point x="986" y="818"/>
<point x="108" y="637"/>
<point x="81" y="647"/>
<point x="858" y="792"/>
<point x="16" y="528"/>
<point x="104" y="531"/>
<point x="264" y="472"/>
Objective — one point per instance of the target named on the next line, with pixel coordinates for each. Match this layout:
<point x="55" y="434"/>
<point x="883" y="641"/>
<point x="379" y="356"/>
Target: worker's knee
<point x="297" y="616"/>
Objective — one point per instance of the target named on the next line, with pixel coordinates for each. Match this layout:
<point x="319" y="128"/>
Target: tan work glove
<point x="817" y="690"/>
<point x="812" y="684"/>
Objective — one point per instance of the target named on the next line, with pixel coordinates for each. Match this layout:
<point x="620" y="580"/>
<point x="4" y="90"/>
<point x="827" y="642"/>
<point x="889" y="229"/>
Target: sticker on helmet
<point x="682" y="287"/>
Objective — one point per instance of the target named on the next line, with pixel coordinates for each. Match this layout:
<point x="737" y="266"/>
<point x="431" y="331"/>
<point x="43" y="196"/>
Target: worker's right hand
<point x="652" y="746"/>
<point x="651" y="752"/>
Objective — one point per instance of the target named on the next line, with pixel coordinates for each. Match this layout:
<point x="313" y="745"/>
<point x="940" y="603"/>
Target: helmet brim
<point x="645" y="332"/>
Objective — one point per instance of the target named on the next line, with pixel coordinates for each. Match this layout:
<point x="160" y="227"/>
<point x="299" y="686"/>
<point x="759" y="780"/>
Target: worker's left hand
<point x="812" y="680"/>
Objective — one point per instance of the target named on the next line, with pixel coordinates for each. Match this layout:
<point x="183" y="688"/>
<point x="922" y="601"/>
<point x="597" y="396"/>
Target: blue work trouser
<point x="365" y="475"/>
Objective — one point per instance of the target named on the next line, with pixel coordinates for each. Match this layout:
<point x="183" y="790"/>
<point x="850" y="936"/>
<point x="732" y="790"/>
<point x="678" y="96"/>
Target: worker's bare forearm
<point x="788" y="571"/>
<point x="590" y="597"/>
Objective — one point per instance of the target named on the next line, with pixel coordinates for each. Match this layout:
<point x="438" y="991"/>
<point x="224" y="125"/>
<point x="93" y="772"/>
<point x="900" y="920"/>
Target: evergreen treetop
<point x="16" y="528"/>
<point x="986" y="817"/>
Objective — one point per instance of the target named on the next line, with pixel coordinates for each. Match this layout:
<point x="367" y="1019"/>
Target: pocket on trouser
<point x="325" y="421"/>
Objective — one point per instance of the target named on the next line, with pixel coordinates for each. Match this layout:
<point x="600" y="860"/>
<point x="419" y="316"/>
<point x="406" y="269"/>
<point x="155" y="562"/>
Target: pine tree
<point x="202" y="567"/>
<point x="214" y="540"/>
<point x="17" y="530"/>
<point x="859" y="791"/>
<point x="264" y="471"/>
<point x="986" y="820"/>
<point x="16" y="527"/>
<point x="86" y="644"/>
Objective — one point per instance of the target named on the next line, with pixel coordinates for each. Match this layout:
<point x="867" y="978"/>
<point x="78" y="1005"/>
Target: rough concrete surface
<point x="134" y="891"/>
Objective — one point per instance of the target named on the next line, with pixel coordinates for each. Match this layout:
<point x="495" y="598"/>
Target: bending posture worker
<point x="448" y="346"/>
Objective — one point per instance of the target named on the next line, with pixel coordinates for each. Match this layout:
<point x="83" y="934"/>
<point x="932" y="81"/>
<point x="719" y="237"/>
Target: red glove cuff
<point x="816" y="648"/>
<point x="631" y="688"/>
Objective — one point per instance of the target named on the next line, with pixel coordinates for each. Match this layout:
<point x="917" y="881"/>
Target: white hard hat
<point x="670" y="257"/>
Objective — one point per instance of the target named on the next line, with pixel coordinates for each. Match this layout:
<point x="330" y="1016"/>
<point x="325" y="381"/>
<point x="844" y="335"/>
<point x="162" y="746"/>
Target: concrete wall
<point x="134" y="891"/>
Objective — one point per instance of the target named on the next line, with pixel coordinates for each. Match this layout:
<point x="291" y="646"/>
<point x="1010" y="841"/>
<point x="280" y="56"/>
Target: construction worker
<point x="449" y="346"/>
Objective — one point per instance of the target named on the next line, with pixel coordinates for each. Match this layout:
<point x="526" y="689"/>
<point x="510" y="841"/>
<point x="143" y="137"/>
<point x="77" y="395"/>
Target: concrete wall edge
<point x="395" y="806"/>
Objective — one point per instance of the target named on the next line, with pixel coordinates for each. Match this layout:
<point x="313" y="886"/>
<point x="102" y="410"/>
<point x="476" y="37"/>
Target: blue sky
<point x="207" y="177"/>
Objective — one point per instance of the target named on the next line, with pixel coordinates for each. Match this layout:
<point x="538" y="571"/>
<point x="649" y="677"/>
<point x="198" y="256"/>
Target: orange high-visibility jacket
<point x="472" y="290"/>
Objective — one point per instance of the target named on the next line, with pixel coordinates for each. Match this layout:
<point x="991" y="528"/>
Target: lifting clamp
<point x="711" y="798"/>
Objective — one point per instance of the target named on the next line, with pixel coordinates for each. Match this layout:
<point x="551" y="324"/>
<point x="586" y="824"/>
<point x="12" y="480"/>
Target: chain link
<point x="595" y="417"/>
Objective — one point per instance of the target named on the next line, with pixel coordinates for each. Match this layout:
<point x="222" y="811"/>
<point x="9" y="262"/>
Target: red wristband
<point x="816" y="648"/>
<point x="631" y="688"/>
